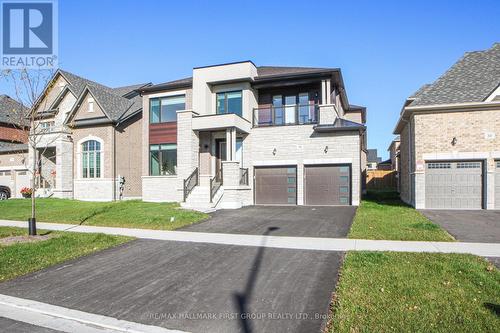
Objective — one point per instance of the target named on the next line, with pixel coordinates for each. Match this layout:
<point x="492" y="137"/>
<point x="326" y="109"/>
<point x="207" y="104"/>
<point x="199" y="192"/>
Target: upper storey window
<point x="164" y="109"/>
<point x="229" y="102"/>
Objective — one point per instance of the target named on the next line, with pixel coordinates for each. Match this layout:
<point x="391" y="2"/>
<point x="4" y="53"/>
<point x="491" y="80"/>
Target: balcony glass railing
<point x="297" y="114"/>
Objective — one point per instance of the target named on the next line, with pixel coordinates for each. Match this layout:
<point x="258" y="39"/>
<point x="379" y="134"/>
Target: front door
<point x="220" y="156"/>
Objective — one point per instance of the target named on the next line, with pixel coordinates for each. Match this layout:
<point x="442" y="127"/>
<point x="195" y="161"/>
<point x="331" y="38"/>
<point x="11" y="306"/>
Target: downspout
<point x="114" y="162"/>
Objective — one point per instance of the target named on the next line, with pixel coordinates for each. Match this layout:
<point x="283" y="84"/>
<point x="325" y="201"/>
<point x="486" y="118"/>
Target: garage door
<point x="22" y="180"/>
<point x="276" y="185"/>
<point x="5" y="177"/>
<point x="454" y="185"/>
<point x="327" y="185"/>
<point x="497" y="184"/>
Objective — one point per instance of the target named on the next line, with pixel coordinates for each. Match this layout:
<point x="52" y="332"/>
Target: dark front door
<point x="220" y="156"/>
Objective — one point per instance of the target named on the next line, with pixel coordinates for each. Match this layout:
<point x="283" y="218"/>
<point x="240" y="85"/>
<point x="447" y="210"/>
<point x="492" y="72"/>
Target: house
<point x="236" y="134"/>
<point x="89" y="140"/>
<point x="450" y="137"/>
<point x="385" y="165"/>
<point x="394" y="153"/>
<point x="372" y="159"/>
<point x="13" y="148"/>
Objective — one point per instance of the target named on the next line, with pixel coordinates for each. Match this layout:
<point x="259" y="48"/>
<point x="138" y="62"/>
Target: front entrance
<point x="221" y="154"/>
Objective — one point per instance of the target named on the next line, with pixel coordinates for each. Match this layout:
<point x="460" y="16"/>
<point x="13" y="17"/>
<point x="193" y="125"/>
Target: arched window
<point x="91" y="159"/>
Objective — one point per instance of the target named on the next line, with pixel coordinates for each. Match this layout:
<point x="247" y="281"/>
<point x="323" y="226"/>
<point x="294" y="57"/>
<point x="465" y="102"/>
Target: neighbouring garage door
<point x="497" y="184"/>
<point x="5" y="177"/>
<point x="327" y="185"/>
<point x="454" y="185"/>
<point x="22" y="180"/>
<point x="276" y="185"/>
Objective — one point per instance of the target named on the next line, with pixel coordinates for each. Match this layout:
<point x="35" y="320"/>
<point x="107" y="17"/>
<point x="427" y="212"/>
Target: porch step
<point x="199" y="199"/>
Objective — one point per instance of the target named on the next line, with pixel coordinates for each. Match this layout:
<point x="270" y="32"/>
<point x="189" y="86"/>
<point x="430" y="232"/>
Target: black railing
<point x="297" y="114"/>
<point x="190" y="183"/>
<point x="243" y="176"/>
<point x="215" y="184"/>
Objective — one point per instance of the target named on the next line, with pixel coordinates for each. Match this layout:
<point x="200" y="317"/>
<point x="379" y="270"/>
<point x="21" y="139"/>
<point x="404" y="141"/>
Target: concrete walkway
<point x="284" y="242"/>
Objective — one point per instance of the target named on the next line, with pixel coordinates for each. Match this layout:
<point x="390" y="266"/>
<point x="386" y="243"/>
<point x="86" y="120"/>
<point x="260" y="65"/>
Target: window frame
<point x="97" y="159"/>
<point x="226" y="100"/>
<point x="159" y="150"/>
<point x="159" y="99"/>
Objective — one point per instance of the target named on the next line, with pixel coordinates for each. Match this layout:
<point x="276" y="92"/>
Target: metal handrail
<point x="215" y="184"/>
<point x="190" y="183"/>
<point x="274" y="118"/>
<point x="243" y="176"/>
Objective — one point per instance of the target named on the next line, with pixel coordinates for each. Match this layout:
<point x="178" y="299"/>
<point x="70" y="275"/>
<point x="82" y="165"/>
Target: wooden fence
<point x="381" y="180"/>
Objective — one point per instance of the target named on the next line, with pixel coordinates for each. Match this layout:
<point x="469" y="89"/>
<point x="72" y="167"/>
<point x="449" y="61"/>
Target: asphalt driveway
<point x="468" y="225"/>
<point x="301" y="221"/>
<point x="192" y="286"/>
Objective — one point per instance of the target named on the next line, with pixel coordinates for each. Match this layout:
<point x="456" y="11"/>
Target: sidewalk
<point x="284" y="242"/>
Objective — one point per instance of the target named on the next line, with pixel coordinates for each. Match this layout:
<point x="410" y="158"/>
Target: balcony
<point x="298" y="114"/>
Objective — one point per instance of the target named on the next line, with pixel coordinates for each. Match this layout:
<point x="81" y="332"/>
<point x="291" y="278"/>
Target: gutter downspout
<point x="114" y="163"/>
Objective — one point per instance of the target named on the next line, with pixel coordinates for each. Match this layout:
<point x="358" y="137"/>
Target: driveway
<point x="300" y="221"/>
<point x="193" y="287"/>
<point x="468" y="225"/>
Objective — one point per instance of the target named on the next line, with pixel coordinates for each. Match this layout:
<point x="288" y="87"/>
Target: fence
<point x="381" y="180"/>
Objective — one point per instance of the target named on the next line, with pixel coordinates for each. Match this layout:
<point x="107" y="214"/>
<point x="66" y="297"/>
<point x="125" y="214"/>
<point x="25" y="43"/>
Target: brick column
<point x="231" y="173"/>
<point x="64" y="169"/>
<point x="188" y="144"/>
<point x="327" y="114"/>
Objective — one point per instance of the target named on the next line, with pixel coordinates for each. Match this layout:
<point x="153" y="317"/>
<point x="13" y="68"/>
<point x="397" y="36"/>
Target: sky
<point x="385" y="49"/>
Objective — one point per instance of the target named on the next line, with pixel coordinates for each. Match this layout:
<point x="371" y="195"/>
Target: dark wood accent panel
<point x="266" y="95"/>
<point x="163" y="133"/>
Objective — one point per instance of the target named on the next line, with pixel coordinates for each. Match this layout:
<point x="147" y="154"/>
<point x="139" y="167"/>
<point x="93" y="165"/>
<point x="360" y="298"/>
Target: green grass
<point x="23" y="258"/>
<point x="11" y="231"/>
<point x="382" y="215"/>
<point x="129" y="214"/>
<point x="405" y="292"/>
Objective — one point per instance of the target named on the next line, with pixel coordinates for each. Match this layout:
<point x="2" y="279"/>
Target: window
<point x="229" y="102"/>
<point x="91" y="105"/>
<point x="91" y="159"/>
<point x="439" y="165"/>
<point x="47" y="126"/>
<point x="163" y="159"/>
<point x="468" y="165"/>
<point x="162" y="110"/>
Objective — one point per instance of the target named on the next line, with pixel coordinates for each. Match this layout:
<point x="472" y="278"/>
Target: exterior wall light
<point x="454" y="141"/>
<point x="326" y="149"/>
<point x="274" y="151"/>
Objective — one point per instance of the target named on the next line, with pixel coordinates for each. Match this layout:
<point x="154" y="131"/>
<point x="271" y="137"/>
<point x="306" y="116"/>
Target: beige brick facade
<point x="448" y="135"/>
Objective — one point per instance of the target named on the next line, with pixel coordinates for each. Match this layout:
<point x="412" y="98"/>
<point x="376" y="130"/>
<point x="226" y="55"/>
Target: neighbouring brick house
<point x="450" y="137"/>
<point x="237" y="134"/>
<point x="13" y="148"/>
<point x="89" y="139"/>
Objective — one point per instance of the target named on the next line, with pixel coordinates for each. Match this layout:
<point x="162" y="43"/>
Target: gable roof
<point x="115" y="102"/>
<point x="11" y="111"/>
<point x="471" y="79"/>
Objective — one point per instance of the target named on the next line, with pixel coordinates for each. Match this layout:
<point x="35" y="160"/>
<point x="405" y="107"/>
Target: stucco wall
<point x="82" y="112"/>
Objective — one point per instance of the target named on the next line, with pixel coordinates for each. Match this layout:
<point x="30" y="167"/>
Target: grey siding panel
<point x="454" y="185"/>
<point x="327" y="185"/>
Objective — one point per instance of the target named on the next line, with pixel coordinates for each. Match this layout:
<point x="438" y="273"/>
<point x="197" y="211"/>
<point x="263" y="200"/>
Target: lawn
<point x="131" y="214"/>
<point x="23" y="258"/>
<point x="410" y="292"/>
<point x="382" y="215"/>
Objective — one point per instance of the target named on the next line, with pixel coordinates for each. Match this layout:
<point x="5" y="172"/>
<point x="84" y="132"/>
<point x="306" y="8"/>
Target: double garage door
<point x="324" y="185"/>
<point x="454" y="185"/>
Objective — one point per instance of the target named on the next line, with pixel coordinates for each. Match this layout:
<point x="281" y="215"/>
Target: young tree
<point x="30" y="90"/>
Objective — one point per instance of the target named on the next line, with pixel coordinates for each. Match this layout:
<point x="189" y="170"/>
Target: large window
<point x="163" y="159"/>
<point x="164" y="109"/>
<point x="229" y="102"/>
<point x="91" y="159"/>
